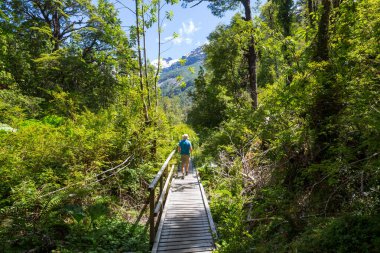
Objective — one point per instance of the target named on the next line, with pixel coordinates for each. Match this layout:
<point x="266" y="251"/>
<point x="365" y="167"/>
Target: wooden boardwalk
<point x="186" y="224"/>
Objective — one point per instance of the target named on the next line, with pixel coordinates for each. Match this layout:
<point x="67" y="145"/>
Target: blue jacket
<point x="185" y="146"/>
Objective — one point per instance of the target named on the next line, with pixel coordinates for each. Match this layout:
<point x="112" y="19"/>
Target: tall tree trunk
<point x="284" y="16"/>
<point x="145" y="64"/>
<point x="159" y="52"/>
<point x="310" y="11"/>
<point x="322" y="49"/>
<point x="251" y="57"/>
<point x="145" y="109"/>
<point x="56" y="30"/>
<point x="327" y="101"/>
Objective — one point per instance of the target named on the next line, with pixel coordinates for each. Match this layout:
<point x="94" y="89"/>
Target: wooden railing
<point x="157" y="206"/>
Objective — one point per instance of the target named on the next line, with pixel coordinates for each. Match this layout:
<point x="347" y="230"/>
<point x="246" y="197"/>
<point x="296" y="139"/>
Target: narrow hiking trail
<point x="186" y="224"/>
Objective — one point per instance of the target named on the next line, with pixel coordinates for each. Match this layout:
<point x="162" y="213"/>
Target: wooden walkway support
<point x="186" y="224"/>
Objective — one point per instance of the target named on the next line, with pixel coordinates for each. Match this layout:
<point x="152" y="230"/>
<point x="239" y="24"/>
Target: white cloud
<point x="189" y="28"/>
<point x="184" y="34"/>
<point x="164" y="63"/>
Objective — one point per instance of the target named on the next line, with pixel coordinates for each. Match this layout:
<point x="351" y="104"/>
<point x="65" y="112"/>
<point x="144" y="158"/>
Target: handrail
<point x="156" y="207"/>
<point x="159" y="173"/>
<point x="160" y="203"/>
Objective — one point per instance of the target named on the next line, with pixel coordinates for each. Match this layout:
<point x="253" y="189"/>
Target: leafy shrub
<point x="345" y="234"/>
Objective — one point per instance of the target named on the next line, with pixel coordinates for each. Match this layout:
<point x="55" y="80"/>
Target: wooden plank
<point x="191" y="205"/>
<point x="186" y="225"/>
<point x="185" y="243"/>
<point x="198" y="204"/>
<point x="189" y="250"/>
<point x="184" y="203"/>
<point x="188" y="199"/>
<point x="168" y="230"/>
<point x="188" y="219"/>
<point x="203" y="227"/>
<point x="186" y="222"/>
<point x="198" y="250"/>
<point x="187" y="238"/>
<point x="179" y="214"/>
<point x="197" y="210"/>
<point x="187" y="202"/>
<point x="186" y="246"/>
<point x="189" y="230"/>
<point x="175" y="237"/>
<point x="185" y="215"/>
<point x="183" y="231"/>
<point x="176" y="226"/>
<point x="185" y="207"/>
<point x="191" y="211"/>
<point x="186" y="232"/>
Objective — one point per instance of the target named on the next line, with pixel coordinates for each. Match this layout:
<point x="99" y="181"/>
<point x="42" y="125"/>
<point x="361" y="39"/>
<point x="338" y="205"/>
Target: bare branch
<point x="197" y="4"/>
<point x="125" y="7"/>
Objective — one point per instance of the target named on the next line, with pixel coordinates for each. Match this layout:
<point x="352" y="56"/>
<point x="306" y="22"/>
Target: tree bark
<point x="56" y="30"/>
<point x="145" y="109"/>
<point x="159" y="52"/>
<point x="251" y="57"/>
<point x="322" y="49"/>
<point x="310" y="11"/>
<point x="284" y="17"/>
<point x="328" y="102"/>
<point x="145" y="64"/>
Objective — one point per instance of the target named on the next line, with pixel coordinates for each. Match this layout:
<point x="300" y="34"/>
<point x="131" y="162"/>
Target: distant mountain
<point x="189" y="71"/>
<point x="165" y="62"/>
<point x="197" y="55"/>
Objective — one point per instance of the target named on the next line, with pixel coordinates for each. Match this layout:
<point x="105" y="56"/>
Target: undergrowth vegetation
<point x="77" y="183"/>
<point x="82" y="131"/>
<point x="300" y="173"/>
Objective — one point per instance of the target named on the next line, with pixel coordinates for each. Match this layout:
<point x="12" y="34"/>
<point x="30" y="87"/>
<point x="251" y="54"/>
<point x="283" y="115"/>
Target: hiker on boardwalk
<point x="185" y="148"/>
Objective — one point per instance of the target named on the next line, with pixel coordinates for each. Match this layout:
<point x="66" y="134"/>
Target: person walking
<point x="185" y="148"/>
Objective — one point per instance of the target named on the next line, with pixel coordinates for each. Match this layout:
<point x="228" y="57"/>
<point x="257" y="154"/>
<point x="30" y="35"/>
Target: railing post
<point x="152" y="232"/>
<point x="166" y="172"/>
<point x="161" y="183"/>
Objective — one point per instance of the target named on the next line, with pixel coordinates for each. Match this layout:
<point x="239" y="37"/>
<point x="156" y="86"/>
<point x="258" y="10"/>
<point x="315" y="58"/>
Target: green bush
<point x="345" y="234"/>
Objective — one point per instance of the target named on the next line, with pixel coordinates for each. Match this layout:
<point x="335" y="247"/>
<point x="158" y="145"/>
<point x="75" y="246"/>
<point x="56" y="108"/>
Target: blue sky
<point x="192" y="24"/>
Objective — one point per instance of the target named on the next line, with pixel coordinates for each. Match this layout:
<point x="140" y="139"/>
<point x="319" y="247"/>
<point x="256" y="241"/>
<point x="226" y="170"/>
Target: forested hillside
<point x="289" y="117"/>
<point x="286" y="109"/>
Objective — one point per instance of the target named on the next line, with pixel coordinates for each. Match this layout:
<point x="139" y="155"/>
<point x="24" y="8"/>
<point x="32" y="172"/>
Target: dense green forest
<point x="286" y="109"/>
<point x="292" y="156"/>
